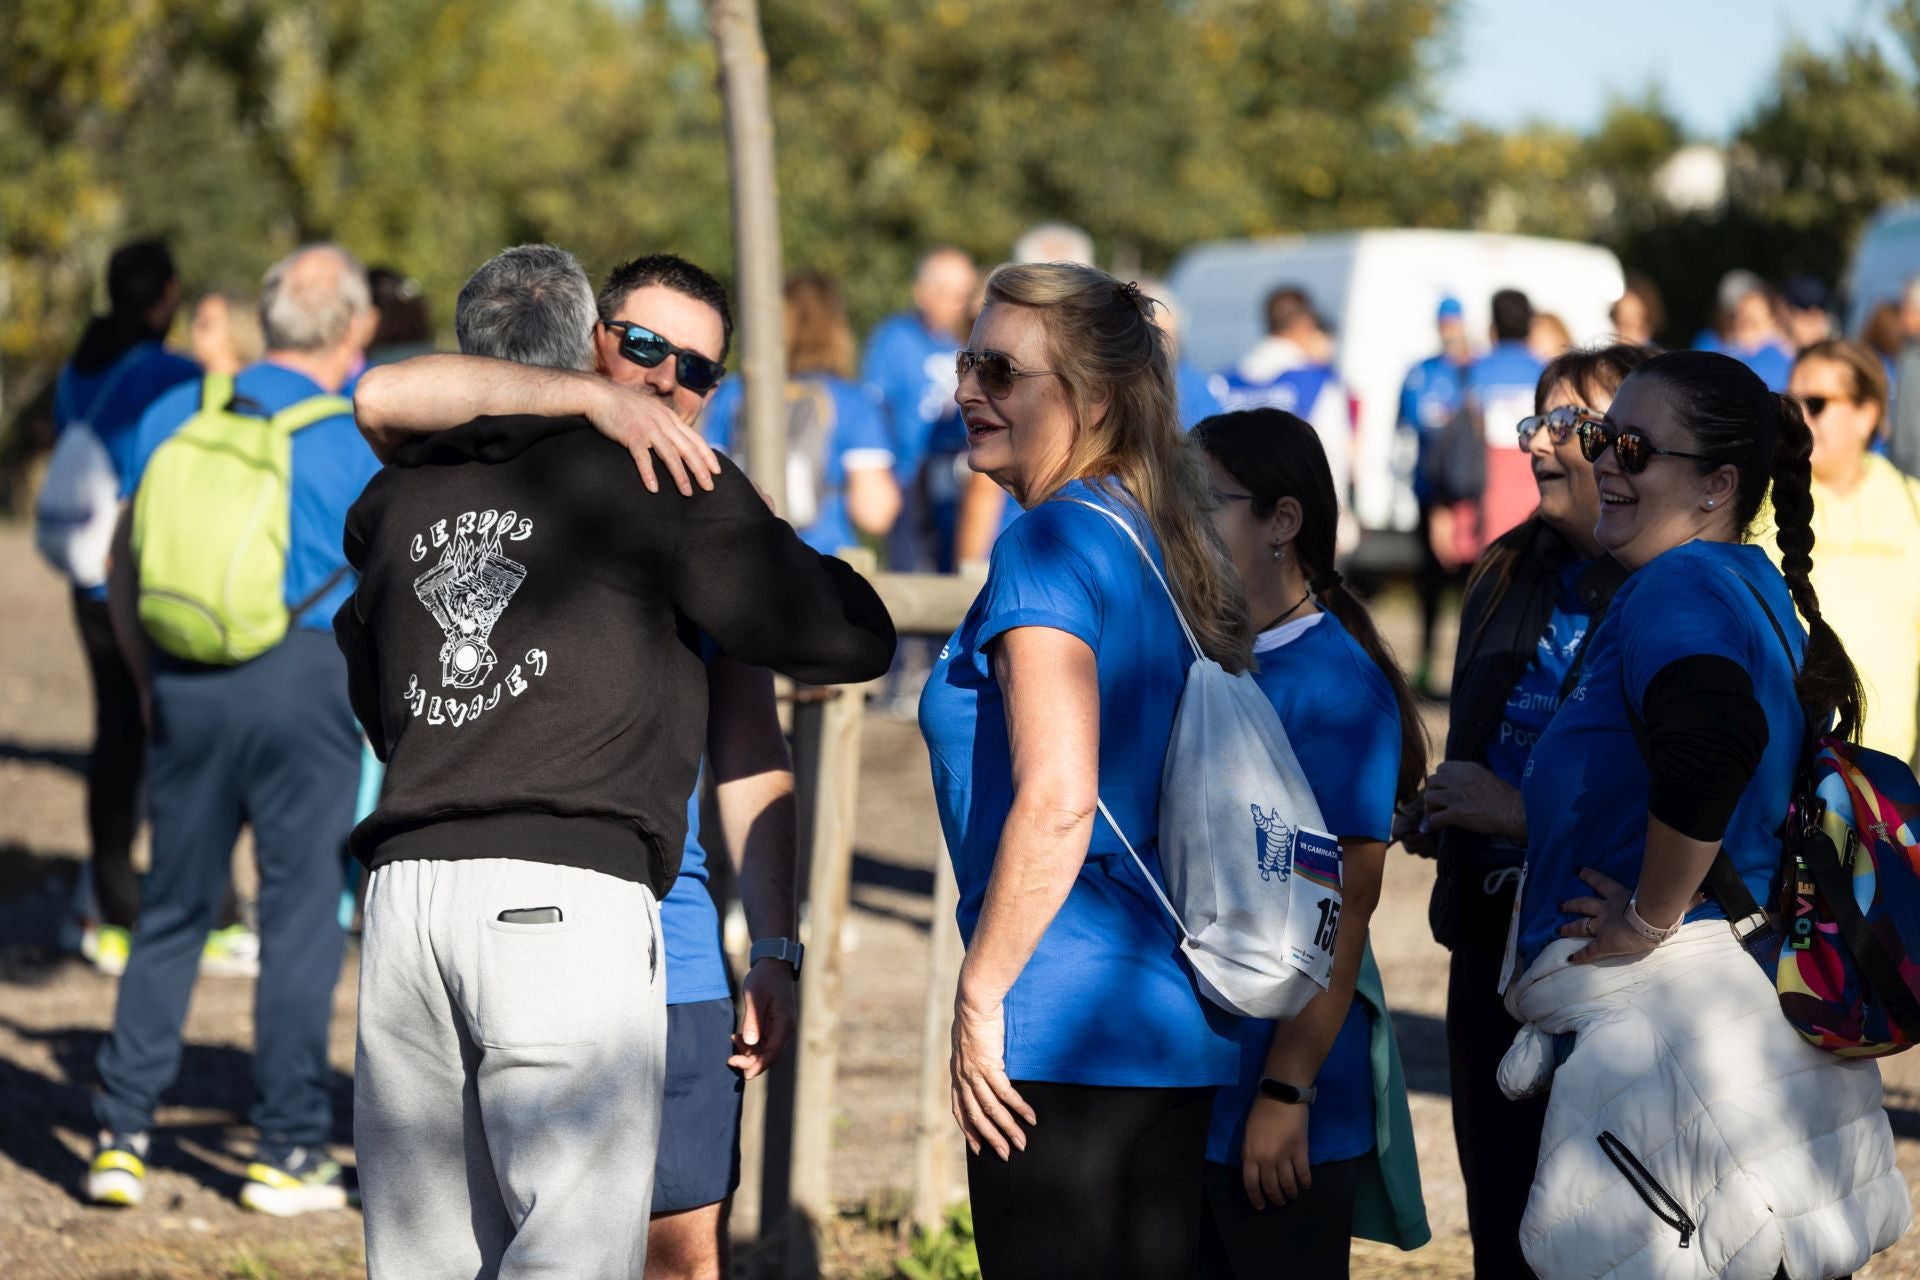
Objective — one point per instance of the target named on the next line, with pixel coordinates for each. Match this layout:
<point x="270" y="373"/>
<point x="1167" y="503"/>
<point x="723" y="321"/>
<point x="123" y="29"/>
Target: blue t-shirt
<point x="1344" y="725"/>
<point x="857" y="442"/>
<point x="912" y="369"/>
<point x="1773" y="362"/>
<point x="691" y="925"/>
<point x="1430" y="398"/>
<point x="1536" y="695"/>
<point x="1586" y="785"/>
<point x="139" y="377"/>
<point x="1106" y="998"/>
<point x="331" y="465"/>
<point x="1296" y="390"/>
<point x="1197" y="400"/>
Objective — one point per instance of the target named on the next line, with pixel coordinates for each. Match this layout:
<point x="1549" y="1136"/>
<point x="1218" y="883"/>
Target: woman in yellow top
<point x="1866" y="524"/>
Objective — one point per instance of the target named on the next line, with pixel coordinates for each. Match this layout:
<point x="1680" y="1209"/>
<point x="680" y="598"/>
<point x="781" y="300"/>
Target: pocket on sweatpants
<point x="535" y="981"/>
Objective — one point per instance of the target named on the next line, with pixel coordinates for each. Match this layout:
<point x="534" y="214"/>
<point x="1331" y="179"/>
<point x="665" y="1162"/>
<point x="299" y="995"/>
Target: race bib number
<point x="1313" y="907"/>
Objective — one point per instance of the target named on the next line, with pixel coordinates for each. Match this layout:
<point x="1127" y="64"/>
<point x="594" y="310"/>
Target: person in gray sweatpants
<point x="524" y="649"/>
<point x="508" y="1080"/>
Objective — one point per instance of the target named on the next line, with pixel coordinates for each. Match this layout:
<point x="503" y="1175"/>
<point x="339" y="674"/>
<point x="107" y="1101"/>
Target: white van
<point x="1888" y="257"/>
<point x="1380" y="291"/>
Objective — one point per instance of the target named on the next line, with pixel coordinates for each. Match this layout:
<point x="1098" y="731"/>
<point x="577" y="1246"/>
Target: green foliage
<point x="947" y="1254"/>
<point x="428" y="134"/>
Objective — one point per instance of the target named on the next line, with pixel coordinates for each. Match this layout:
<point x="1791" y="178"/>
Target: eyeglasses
<point x="1560" y="423"/>
<point x="1223" y="497"/>
<point x="1817" y="405"/>
<point x="647" y="349"/>
<point x="997" y="374"/>
<point x="1630" y="445"/>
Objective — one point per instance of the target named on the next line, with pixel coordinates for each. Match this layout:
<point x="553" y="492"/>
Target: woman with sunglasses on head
<point x="1293" y="1139"/>
<point x="1530" y="601"/>
<point x="1684" y="1112"/>
<point x="1866" y="522"/>
<point x="1084" y="1058"/>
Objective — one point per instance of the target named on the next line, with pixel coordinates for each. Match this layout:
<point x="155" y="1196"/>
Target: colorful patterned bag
<point x="1850" y="905"/>
<point x="1844" y="947"/>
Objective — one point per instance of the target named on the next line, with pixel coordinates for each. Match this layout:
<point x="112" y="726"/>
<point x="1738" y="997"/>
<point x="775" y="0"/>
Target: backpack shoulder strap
<point x="216" y="392"/>
<point x="304" y="413"/>
<point x="1159" y="893"/>
<point x="1141" y="547"/>
<point x="105" y="394"/>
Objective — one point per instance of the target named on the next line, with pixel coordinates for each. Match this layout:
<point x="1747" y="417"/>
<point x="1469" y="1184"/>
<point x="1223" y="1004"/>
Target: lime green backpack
<point x="211" y="526"/>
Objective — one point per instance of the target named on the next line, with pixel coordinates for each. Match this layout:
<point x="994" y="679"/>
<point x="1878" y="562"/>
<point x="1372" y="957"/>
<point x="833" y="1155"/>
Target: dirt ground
<point x="53" y="1015"/>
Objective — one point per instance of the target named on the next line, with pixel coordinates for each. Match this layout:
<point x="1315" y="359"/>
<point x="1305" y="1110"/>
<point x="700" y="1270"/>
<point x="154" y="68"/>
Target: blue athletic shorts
<point x="699" y="1160"/>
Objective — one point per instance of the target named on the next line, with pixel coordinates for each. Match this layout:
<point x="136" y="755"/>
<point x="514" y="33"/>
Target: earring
<point x="1709" y="504"/>
<point x="1279" y="552"/>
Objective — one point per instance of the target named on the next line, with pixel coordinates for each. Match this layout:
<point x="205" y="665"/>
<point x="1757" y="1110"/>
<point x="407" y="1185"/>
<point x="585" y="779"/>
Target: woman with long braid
<point x="1684" y="1111"/>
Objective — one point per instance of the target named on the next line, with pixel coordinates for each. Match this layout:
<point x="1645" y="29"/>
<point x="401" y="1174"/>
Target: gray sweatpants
<point x="508" y="1081"/>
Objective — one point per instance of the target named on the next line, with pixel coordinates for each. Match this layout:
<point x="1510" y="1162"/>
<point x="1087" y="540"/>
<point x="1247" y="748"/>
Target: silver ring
<point x="1591" y="922"/>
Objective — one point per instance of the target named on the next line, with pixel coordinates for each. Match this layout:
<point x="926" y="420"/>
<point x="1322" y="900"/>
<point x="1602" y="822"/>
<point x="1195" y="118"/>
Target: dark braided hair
<point x="1732" y="415"/>
<point x="1277" y="455"/>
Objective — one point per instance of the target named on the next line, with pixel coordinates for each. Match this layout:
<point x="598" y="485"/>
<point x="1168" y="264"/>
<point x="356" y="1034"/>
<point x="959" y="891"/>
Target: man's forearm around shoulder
<point x="434" y="392"/>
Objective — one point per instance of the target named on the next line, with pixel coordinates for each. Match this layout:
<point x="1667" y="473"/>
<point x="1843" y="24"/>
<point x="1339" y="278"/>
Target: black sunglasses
<point x="1817" y="405"/>
<point x="1630" y="445"/>
<point x="1560" y="423"/>
<point x="647" y="349"/>
<point x="997" y="374"/>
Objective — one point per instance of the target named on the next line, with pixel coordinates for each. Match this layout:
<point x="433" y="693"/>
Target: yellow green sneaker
<point x="232" y="952"/>
<point x="110" y="945"/>
<point x="118" y="1174"/>
<point x="302" y="1181"/>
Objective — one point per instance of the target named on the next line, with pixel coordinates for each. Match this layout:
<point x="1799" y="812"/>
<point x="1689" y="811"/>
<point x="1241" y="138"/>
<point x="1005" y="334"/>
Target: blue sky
<point x="1519" y="60"/>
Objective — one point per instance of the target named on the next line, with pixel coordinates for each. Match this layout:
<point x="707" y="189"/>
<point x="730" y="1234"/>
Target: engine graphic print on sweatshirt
<point x="466" y="591"/>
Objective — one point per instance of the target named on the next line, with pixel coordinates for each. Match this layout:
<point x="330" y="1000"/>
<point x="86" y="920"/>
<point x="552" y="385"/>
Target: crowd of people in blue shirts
<point x="1118" y="1123"/>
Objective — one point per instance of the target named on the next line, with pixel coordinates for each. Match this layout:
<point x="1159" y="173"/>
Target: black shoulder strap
<point x="315" y="596"/>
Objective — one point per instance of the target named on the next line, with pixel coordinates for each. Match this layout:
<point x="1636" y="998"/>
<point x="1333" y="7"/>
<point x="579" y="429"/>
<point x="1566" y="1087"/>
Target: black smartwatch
<point x="1281" y="1091"/>
<point x="776" y="949"/>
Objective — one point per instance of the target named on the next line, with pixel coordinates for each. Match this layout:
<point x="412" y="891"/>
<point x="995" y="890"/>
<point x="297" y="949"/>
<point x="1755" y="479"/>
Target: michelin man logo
<point x="466" y="591"/>
<point x="1274" y="839"/>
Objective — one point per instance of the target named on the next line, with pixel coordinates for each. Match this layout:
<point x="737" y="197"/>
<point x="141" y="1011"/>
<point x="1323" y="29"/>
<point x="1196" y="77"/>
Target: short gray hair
<point x="312" y="297"/>
<point x="531" y="304"/>
<point x="1054" y="242"/>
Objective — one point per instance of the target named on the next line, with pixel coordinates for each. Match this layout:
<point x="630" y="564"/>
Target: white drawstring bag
<point x="1252" y="878"/>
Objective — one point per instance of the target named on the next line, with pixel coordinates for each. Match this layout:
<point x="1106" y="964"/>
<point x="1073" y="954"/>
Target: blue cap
<point x="1450" y="309"/>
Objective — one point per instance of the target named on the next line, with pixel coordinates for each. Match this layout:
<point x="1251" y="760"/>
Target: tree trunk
<point x="756" y="241"/>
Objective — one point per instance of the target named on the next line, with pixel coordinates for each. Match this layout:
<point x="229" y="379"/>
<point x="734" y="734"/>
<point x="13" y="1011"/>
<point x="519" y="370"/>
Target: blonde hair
<point x="1101" y="340"/>
<point x="819" y="340"/>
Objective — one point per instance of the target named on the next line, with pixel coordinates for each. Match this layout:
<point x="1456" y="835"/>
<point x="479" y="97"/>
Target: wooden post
<point x="756" y="240"/>
<point x="829" y="883"/>
<point x="935" y="1133"/>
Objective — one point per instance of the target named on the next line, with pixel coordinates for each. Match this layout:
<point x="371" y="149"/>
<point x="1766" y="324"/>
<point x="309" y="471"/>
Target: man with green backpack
<point x="226" y="574"/>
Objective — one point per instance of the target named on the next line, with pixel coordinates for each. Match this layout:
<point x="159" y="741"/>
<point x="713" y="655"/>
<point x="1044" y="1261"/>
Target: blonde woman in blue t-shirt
<point x="1084" y="1059"/>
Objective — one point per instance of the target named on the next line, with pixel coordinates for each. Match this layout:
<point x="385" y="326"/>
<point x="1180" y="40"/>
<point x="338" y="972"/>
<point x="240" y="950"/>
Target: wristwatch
<point x="776" y="949"/>
<point x="1281" y="1091"/>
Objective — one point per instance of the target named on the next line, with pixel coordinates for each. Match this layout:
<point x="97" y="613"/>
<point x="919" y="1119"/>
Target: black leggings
<point x="1307" y="1238"/>
<point x="1109" y="1186"/>
<point x="1498" y="1140"/>
<point x="119" y="761"/>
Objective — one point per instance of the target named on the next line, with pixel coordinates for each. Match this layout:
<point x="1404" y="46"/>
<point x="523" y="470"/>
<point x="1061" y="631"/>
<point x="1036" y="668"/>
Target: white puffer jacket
<point x="1691" y="1133"/>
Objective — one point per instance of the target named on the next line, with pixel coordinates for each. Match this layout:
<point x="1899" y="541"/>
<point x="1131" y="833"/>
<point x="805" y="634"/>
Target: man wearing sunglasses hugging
<point x="662" y="330"/>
